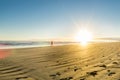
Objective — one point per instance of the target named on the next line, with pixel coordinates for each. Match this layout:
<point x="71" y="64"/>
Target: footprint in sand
<point x="111" y="73"/>
<point x="68" y="78"/>
<point x="103" y="65"/>
<point x="115" y="62"/>
<point x="93" y="73"/>
<point x="55" y="75"/>
<point x="26" y="78"/>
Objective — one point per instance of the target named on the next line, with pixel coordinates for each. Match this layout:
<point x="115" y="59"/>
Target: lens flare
<point x="84" y="37"/>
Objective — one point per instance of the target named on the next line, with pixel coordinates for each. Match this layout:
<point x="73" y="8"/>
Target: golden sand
<point x="97" y="61"/>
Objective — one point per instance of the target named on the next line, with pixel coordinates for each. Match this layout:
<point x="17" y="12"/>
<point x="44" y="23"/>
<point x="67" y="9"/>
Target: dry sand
<point x="98" y="61"/>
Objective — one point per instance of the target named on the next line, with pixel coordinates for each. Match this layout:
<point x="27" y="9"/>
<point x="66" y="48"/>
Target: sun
<point x="84" y="36"/>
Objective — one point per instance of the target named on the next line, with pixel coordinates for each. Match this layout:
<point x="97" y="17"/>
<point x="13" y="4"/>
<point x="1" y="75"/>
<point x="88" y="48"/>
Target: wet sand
<point x="97" y="61"/>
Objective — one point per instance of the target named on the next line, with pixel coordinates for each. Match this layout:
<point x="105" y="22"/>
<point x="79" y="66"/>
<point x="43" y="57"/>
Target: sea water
<point x="28" y="44"/>
<point x="21" y="44"/>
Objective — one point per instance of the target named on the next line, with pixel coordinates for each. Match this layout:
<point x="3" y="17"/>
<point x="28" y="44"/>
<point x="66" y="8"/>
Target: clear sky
<point x="58" y="19"/>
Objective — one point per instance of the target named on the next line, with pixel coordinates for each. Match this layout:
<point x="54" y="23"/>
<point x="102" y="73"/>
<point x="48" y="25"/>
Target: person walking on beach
<point x="51" y="43"/>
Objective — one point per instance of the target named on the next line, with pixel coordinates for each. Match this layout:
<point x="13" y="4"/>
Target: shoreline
<point x="48" y="45"/>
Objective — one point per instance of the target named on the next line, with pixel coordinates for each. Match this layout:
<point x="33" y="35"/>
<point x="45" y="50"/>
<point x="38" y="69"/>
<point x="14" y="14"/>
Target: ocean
<point x="28" y="44"/>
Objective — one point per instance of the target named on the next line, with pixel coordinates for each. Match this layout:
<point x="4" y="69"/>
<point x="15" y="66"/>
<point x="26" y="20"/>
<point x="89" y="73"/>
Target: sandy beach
<point x="96" y="61"/>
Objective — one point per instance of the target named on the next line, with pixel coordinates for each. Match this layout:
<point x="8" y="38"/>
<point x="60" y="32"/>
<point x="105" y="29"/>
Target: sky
<point x="58" y="19"/>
